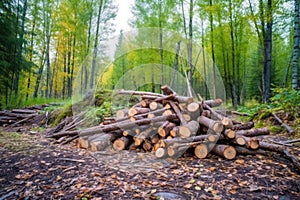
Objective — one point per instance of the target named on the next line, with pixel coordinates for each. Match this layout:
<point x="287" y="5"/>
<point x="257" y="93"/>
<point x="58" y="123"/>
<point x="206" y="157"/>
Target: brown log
<point x="206" y="113"/>
<point x="145" y="103"/>
<point x="217" y="127"/>
<point x="188" y="130"/>
<point x="287" y="127"/>
<point x="272" y="147"/>
<point x="254" y="132"/>
<point x="167" y="112"/>
<point x="252" y="143"/>
<point x="201" y="151"/>
<point x="178" y="140"/>
<point x="121" y="113"/>
<point x="117" y="126"/>
<point x="129" y="132"/>
<point x="173" y="151"/>
<point x="102" y="142"/>
<point x="178" y="113"/>
<point x="164" y="98"/>
<point x="154" y="105"/>
<point x="230" y="134"/>
<point x="121" y="143"/>
<point x="240" y="140"/>
<point x="147" y="145"/>
<point x="225" y="151"/>
<point x="165" y="129"/>
<point x="154" y="139"/>
<point x="174" y="131"/>
<point x="186" y="117"/>
<point x="225" y="120"/>
<point x="24" y="111"/>
<point x="155" y="147"/>
<point x="137" y="110"/>
<point x="161" y="152"/>
<point x="140" y="93"/>
<point x="213" y="103"/>
<point x="245" y="126"/>
<point x="194" y="110"/>
<point x="146" y="133"/>
<point x="240" y="114"/>
<point x="245" y="151"/>
<point x="167" y="90"/>
<point x="83" y="143"/>
<point x="183" y="99"/>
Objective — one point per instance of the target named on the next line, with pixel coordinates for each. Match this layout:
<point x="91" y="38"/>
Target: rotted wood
<point x="287" y="127"/>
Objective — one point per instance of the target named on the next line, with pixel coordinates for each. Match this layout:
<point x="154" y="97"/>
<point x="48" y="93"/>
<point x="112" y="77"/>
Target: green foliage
<point x="287" y="100"/>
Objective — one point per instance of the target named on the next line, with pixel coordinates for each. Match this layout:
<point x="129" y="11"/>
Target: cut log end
<point x="201" y="151"/>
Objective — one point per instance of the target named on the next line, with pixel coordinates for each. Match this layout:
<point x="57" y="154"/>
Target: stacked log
<point x="24" y="116"/>
<point x="168" y="125"/>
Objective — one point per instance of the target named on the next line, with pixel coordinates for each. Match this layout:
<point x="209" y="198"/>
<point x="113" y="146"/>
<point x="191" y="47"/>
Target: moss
<point x="275" y="129"/>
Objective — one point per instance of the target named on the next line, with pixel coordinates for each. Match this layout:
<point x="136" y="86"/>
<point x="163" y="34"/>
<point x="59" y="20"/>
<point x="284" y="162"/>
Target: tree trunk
<point x="95" y="46"/>
<point x="268" y="55"/>
<point x="296" y="47"/>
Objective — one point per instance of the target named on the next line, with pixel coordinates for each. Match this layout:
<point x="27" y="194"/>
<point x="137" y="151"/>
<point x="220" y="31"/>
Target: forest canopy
<point x="56" y="49"/>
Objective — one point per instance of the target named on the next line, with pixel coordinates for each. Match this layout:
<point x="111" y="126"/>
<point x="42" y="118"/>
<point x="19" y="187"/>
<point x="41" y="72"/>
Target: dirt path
<point x="33" y="168"/>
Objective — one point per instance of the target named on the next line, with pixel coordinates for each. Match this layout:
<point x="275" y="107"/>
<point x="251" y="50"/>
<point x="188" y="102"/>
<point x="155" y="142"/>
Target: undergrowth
<point x="285" y="103"/>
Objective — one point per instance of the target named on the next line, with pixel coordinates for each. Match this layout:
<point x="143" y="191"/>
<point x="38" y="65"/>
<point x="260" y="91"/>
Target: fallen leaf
<point x="240" y="161"/>
<point x="58" y="178"/>
<point x="197" y="188"/>
<point x="212" y="169"/>
<point x="188" y="186"/>
<point x="192" y="181"/>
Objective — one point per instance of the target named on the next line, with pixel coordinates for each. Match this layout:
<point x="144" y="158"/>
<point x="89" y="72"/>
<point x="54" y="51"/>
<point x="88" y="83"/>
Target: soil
<point x="32" y="167"/>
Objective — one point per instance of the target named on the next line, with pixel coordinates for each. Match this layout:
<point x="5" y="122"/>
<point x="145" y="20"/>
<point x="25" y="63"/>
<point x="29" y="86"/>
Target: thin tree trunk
<point x="287" y="69"/>
<point x="190" y="46"/>
<point x="233" y="90"/>
<point x="296" y="47"/>
<point x="213" y="51"/>
<point x="95" y="46"/>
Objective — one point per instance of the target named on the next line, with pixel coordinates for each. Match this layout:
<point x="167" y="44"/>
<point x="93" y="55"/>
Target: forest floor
<point x="32" y="167"/>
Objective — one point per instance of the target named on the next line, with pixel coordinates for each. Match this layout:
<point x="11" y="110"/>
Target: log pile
<point x="24" y="116"/>
<point x="168" y="125"/>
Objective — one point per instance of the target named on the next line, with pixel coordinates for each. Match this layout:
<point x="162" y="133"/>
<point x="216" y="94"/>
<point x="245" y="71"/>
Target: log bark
<point x="102" y="142"/>
<point x="167" y="90"/>
<point x="225" y="120"/>
<point x="244" y="126"/>
<point x="254" y="132"/>
<point x="217" y="127"/>
<point x="287" y="127"/>
<point x="224" y="151"/>
<point x="245" y="151"/>
<point x="121" y="113"/>
<point x="165" y="129"/>
<point x="121" y="125"/>
<point x="213" y="103"/>
<point x="178" y="113"/>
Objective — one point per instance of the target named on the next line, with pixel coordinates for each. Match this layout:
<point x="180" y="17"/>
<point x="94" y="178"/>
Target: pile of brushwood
<point x="168" y="125"/>
<point x="25" y="116"/>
